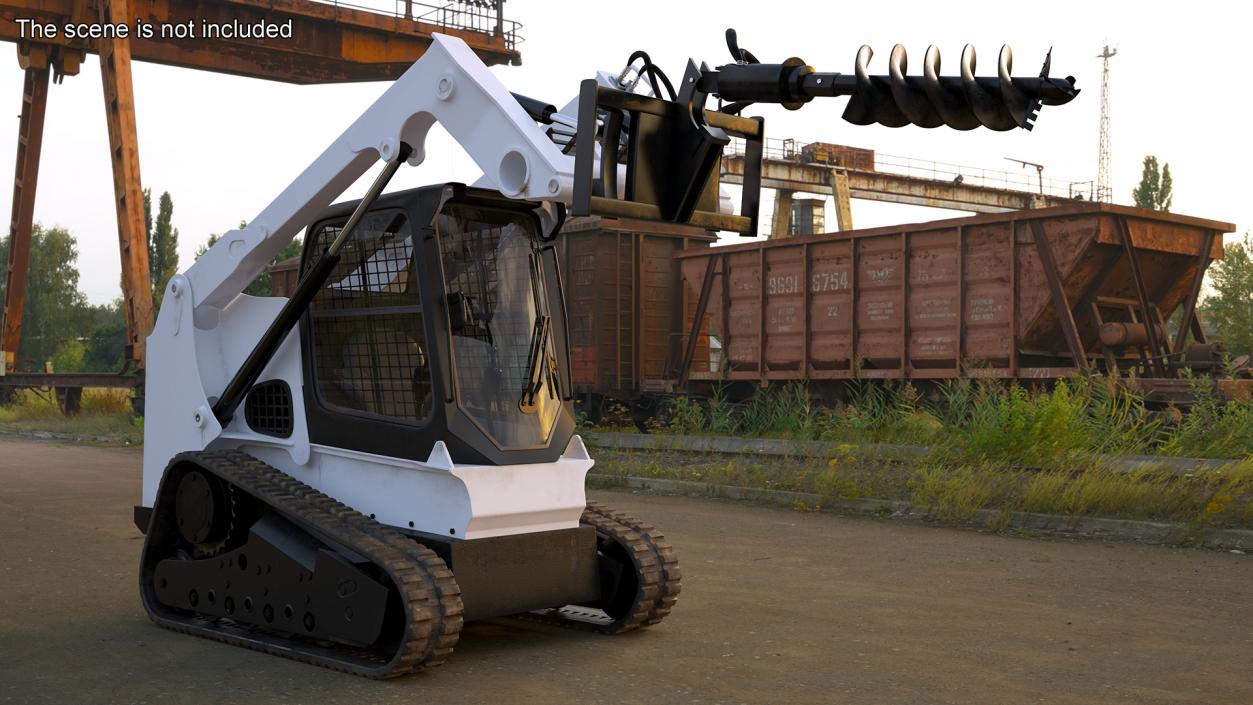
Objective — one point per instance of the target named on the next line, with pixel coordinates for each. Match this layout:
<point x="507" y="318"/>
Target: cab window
<point x="368" y="336"/>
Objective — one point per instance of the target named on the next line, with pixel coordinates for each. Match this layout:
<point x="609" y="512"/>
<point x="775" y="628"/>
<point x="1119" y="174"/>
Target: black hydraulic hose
<point x="227" y="404"/>
<point x="738" y="54"/>
<point x="657" y="74"/>
<point x="653" y="72"/>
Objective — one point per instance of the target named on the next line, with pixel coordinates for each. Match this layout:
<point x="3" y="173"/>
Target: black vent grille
<point x="268" y="409"/>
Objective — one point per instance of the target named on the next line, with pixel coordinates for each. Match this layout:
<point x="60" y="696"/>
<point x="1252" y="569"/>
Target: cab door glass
<point x="503" y="349"/>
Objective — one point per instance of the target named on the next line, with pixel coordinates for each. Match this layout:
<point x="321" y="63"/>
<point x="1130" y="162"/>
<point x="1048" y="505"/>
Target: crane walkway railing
<point x="483" y="16"/>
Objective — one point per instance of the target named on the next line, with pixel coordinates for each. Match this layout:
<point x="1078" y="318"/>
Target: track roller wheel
<point x="242" y="553"/>
<point x="639" y="576"/>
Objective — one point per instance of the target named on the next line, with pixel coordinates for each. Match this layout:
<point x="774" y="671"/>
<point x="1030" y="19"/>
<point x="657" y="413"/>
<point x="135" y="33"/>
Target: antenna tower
<point x="1104" y="185"/>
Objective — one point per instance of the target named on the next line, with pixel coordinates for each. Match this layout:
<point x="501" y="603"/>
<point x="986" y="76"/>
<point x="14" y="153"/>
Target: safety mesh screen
<point x="268" y="409"/>
<point x="369" y="344"/>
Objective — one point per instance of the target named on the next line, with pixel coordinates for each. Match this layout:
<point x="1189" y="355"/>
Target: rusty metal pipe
<point x="1116" y="334"/>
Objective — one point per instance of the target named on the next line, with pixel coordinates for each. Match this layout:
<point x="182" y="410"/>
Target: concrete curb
<point x="1133" y="530"/>
<point x="746" y="446"/>
<point x="883" y="451"/>
<point x="72" y="437"/>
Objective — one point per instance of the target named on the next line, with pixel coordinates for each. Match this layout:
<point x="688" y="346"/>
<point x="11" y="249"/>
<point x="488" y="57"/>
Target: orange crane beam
<point x="329" y="44"/>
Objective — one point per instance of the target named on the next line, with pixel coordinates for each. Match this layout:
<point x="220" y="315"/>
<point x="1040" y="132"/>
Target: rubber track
<point x="430" y="595"/>
<point x="655" y="562"/>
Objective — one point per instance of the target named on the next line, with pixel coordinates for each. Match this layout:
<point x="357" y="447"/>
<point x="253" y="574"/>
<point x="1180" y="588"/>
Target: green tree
<point x="162" y="245"/>
<point x="55" y="312"/>
<point x="106" y="344"/>
<point x="213" y="240"/>
<point x="69" y="356"/>
<point x="1154" y="191"/>
<point x="148" y="214"/>
<point x="1228" y="311"/>
<point x="263" y="285"/>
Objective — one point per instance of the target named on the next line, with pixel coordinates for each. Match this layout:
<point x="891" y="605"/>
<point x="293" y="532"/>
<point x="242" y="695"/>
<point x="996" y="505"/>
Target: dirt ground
<point x="777" y="607"/>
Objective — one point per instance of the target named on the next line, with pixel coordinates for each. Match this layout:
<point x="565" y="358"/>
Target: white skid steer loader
<point x="346" y="475"/>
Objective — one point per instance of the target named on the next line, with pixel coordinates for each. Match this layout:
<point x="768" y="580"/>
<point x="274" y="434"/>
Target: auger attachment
<point x="962" y="102"/>
<point x="672" y="148"/>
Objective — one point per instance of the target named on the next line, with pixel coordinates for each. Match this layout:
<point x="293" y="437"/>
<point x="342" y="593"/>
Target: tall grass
<point x="1220" y="497"/>
<point x="1022" y="428"/>
<point x="783" y="412"/>
<point x="1212" y="428"/>
<point x="958" y="491"/>
<point x="986" y="421"/>
<point x="106" y="413"/>
<point x="31" y="404"/>
<point x="881" y="413"/>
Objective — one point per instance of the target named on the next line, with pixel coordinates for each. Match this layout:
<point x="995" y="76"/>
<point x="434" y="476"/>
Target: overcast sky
<point x="224" y="146"/>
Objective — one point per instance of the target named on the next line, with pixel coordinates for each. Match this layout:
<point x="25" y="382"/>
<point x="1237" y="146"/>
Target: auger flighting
<point x="961" y="102"/>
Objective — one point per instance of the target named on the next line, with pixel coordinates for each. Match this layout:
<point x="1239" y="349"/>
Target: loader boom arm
<point x="449" y="85"/>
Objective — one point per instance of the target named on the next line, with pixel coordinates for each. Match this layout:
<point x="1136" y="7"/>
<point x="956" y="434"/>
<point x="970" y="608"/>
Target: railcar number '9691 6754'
<point x="818" y="282"/>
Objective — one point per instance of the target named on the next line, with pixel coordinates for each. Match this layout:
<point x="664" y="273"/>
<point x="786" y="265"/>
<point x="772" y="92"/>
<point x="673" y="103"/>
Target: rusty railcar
<point x="936" y="300"/>
<point x="1021" y="295"/>
<point x="625" y="301"/>
<point x="626" y="306"/>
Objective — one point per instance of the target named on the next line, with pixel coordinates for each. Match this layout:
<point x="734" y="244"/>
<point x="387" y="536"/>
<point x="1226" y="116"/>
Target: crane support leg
<point x="840" y="193"/>
<point x="781" y="224"/>
<point x="119" y="108"/>
<point x="29" y="142"/>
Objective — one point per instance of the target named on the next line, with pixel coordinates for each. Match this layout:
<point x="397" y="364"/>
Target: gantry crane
<point x="332" y="43"/>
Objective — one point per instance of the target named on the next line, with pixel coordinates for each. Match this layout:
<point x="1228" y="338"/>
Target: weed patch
<point x="955" y="491"/>
<point x="1063" y="424"/>
<point x="105" y="413"/>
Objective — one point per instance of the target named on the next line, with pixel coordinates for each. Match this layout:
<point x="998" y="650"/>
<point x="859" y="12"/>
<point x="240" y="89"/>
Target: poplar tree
<point x="162" y="245"/>
<point x="1154" y="191"/>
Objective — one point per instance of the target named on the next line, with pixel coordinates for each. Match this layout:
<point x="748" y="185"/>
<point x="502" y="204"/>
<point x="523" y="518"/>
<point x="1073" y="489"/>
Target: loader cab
<point x="443" y="321"/>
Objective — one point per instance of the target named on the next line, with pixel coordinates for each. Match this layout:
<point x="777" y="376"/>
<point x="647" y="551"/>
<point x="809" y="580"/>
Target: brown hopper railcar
<point x="1024" y="295"/>
<point x="656" y="310"/>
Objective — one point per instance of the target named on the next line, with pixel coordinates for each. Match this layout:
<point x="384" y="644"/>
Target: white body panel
<point x="206" y="328"/>
<point x="436" y="496"/>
